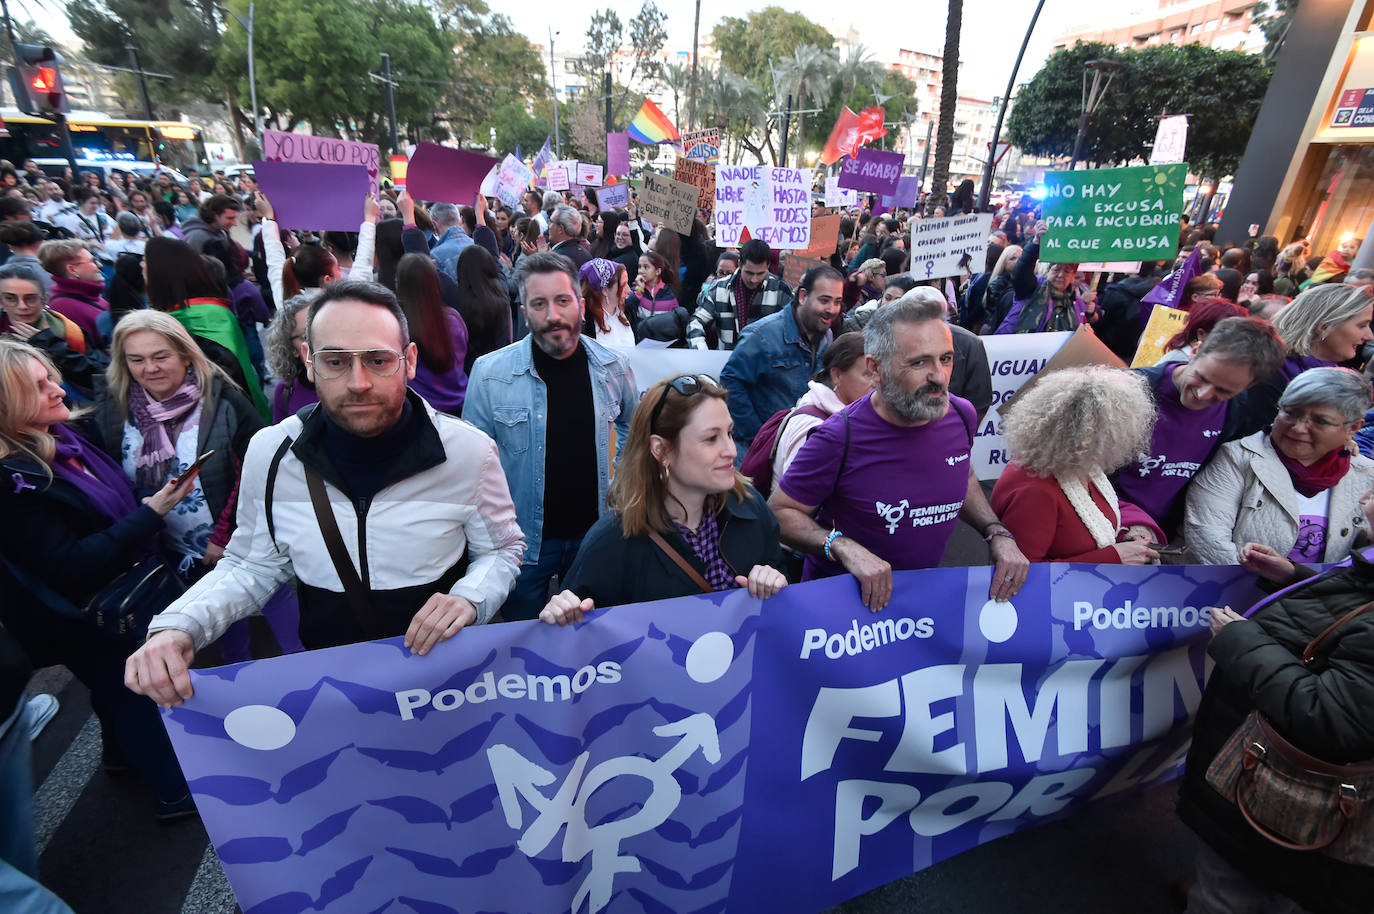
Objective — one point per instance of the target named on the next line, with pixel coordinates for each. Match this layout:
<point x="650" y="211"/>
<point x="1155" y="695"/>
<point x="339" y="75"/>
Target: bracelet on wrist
<point x="829" y="540"/>
<point x="987" y="527"/>
<point x="996" y="533"/>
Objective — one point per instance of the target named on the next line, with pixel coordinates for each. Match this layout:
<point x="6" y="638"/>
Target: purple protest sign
<point x="613" y="195"/>
<point x="908" y="192"/>
<point x="322" y="198"/>
<point x="322" y="150"/>
<point x="617" y="153"/>
<point x="441" y="174"/>
<point x="874" y="171"/>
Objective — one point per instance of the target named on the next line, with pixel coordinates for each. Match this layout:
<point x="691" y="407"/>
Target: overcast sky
<point x="991" y="34"/>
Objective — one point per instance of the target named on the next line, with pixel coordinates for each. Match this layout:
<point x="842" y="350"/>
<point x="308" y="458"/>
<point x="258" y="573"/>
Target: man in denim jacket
<point x="550" y="402"/>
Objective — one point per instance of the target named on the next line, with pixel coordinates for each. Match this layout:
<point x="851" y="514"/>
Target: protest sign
<point x="908" y="192"/>
<point x="512" y="180"/>
<point x="775" y="204"/>
<point x="618" y="153"/>
<point x="1083" y="349"/>
<point x="1113" y="213"/>
<point x="322" y="150"/>
<point x="1013" y="359"/>
<point x="443" y="174"/>
<point x="558" y="178"/>
<point x="872" y="170"/>
<point x="1170" y="140"/>
<point x="613" y="195"/>
<point x="794" y="266"/>
<point x="835" y="195"/>
<point x="321" y="198"/>
<point x="652" y="365"/>
<point x="1164" y="323"/>
<point x="825" y="234"/>
<point x="939" y="246"/>
<point x="702" y="145"/>
<point x="588" y="175"/>
<point x="702" y="177"/>
<point x="671" y="202"/>
<point x="670" y="754"/>
<point x="1111" y="266"/>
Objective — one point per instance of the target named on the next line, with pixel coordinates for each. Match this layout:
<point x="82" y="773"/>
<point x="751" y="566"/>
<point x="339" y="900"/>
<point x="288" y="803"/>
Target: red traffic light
<point x="45" y="79"/>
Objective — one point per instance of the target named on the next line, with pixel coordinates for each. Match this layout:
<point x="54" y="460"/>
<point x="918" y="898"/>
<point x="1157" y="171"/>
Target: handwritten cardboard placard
<point x="588" y="174"/>
<point x="702" y="145"/>
<point x="618" y="153"/>
<point x="825" y="234"/>
<point x="443" y="174"/>
<point x="1113" y="213"/>
<point x="512" y="180"/>
<point x="794" y="266"/>
<point x="558" y="178"/>
<point x="322" y="198"/>
<point x="939" y="246"/>
<point x="775" y="204"/>
<point x="613" y="195"/>
<point x="1164" y="323"/>
<point x="321" y="150"/>
<point x="702" y="177"/>
<point x="874" y="171"/>
<point x="671" y="202"/>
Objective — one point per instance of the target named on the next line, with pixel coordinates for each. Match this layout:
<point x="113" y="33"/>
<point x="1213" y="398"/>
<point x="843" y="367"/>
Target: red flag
<point x="844" y="138"/>
<point x="870" y="125"/>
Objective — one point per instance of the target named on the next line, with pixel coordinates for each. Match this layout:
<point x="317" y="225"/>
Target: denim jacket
<point x="447" y="249"/>
<point x="507" y="399"/>
<point x="768" y="371"/>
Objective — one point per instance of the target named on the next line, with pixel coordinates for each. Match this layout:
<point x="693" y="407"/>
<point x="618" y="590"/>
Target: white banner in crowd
<point x="1170" y="140"/>
<point x="1012" y="358"/>
<point x="938" y="246"/>
<point x="835" y="195"/>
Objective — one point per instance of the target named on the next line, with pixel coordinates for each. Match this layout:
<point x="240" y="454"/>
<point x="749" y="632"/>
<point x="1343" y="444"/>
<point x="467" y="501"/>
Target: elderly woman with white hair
<point x="1323" y="326"/>
<point x="1290" y="493"/>
<point x="1066" y="434"/>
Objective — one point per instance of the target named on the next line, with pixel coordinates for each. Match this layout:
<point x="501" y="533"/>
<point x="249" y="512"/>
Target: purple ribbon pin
<point x="20" y="485"/>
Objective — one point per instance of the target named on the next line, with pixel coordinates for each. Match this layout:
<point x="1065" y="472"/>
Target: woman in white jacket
<point x="1291" y="491"/>
<point x="844" y="376"/>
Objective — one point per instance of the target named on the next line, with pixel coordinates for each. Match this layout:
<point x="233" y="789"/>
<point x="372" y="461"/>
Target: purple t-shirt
<point x="902" y="487"/>
<point x="1310" y="546"/>
<point x="1183" y="440"/>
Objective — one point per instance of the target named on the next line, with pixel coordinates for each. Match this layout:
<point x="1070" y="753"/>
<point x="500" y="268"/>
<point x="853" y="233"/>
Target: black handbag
<point x="122" y="609"/>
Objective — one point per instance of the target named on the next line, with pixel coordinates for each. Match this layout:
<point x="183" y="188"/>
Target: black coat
<point x="1325" y="709"/>
<point x="614" y="571"/>
<point x="1122" y="320"/>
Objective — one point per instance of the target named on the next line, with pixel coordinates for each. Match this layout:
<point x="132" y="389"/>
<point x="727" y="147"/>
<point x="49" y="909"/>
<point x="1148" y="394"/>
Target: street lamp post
<point x="252" y="76"/>
<point x="553" y="79"/>
<point x="991" y="166"/>
<point x="1092" y="98"/>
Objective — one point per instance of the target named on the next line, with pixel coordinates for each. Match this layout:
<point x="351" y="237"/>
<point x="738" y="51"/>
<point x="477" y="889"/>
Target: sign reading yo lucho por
<point x="1113" y="213"/>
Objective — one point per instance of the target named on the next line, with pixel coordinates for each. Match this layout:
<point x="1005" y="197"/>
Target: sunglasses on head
<point x="685" y="384"/>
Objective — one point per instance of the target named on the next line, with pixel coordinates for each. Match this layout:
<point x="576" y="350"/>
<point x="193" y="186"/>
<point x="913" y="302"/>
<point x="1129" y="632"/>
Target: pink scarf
<point x="160" y="424"/>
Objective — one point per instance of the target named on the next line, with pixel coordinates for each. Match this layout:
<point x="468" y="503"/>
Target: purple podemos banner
<point x="667" y="756"/>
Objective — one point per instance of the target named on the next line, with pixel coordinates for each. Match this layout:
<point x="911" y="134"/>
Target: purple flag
<point x="908" y="191"/>
<point x="874" y="171"/>
<point x="442" y="174"/>
<point x="617" y="153"/>
<point x="306" y="195"/>
<point x="540" y="160"/>
<point x="1169" y="292"/>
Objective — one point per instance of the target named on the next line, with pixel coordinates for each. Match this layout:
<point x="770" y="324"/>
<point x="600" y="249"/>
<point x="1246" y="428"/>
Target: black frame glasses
<point x="685" y="384"/>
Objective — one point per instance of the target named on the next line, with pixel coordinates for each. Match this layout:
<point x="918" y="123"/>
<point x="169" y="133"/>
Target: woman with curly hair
<point x="285" y="336"/>
<point x="1066" y="434"/>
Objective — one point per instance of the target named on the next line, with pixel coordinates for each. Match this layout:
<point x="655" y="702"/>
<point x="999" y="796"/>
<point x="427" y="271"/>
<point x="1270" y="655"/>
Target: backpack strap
<point x="272" y="486"/>
<point x="355" y="593"/>
<point x="809" y="410"/>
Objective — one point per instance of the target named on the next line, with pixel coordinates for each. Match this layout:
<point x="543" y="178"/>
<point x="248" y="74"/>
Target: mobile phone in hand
<point x="193" y="469"/>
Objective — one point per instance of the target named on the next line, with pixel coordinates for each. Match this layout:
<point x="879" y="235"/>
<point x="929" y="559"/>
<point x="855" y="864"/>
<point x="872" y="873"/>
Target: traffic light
<point x="37" y="80"/>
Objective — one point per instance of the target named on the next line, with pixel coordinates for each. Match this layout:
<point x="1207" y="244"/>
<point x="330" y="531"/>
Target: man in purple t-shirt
<point x="1199" y="409"/>
<point x="888" y="476"/>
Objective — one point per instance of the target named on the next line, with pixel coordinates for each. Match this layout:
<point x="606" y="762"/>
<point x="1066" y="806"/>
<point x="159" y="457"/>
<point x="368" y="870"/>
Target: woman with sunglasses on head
<point x="1292" y="492"/>
<point x="677" y="503"/>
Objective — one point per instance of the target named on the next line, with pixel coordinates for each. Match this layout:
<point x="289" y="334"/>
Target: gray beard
<point x="921" y="406"/>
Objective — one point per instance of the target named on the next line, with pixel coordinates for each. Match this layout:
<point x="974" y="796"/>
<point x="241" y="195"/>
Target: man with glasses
<point x="1200" y="408"/>
<point x="550" y="401"/>
<point x="360" y="500"/>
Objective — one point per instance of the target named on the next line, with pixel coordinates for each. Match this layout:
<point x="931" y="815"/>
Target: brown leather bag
<point x="1292" y="798"/>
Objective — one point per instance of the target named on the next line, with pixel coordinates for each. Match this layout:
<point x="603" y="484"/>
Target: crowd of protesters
<point x="451" y="382"/>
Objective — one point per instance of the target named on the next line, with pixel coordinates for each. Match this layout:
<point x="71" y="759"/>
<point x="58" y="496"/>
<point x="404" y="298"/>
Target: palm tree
<point x="808" y="71"/>
<point x="678" y="78"/>
<point x="949" y="98"/>
<point x="854" y="67"/>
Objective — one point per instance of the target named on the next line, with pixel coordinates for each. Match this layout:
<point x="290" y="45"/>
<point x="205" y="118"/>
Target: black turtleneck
<point x="363" y="463"/>
<point x="570" y="470"/>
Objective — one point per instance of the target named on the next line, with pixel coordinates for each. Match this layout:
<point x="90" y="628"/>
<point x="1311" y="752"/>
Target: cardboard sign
<point x="702" y="177"/>
<point x="794" y="266"/>
<point x="1082" y="349"/>
<point x="825" y="234"/>
<point x="1113" y="213"/>
<point x="558" y="178"/>
<point x="588" y="175"/>
<point x="939" y="246"/>
<point x="512" y="180"/>
<point x="613" y="195"/>
<point x="702" y="145"/>
<point x="670" y="202"/>
<point x="1164" y="323"/>
<point x="617" y="153"/>
<point x="322" y="150"/>
<point x="775" y="204"/>
<point x="443" y="174"/>
<point x="321" y="198"/>
<point x="872" y="170"/>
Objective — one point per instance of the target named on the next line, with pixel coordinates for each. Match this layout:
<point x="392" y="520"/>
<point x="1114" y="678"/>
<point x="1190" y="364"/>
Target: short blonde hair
<point x="1315" y="311"/>
<point x="1080" y="419"/>
<point x="117" y="377"/>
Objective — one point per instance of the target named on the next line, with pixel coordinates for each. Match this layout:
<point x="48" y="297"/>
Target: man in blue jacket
<point x="777" y="355"/>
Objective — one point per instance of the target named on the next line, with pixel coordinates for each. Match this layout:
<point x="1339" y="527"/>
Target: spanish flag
<point x="651" y="126"/>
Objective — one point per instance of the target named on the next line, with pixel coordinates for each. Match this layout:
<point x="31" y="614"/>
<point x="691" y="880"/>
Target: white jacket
<point x="415" y="530"/>
<point x="1245" y="495"/>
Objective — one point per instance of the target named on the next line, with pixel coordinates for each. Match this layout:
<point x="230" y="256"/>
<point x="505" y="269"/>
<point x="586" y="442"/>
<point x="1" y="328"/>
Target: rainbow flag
<point x="651" y="126"/>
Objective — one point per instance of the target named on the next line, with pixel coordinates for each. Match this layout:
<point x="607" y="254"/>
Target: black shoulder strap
<point x="272" y="485"/>
<point x="355" y="594"/>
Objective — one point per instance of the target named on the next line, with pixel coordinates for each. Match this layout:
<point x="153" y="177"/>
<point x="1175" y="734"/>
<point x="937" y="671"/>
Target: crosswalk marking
<point x="64" y="784"/>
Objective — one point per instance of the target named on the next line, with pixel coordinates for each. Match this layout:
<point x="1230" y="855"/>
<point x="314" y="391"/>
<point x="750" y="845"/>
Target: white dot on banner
<point x="260" y="727"/>
<point x="709" y="656"/>
<point x="997" y="620"/>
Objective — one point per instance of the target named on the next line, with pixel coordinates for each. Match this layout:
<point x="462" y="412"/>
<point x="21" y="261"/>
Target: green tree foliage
<point x="766" y="37"/>
<point x="498" y="76"/>
<point x="174" y="37"/>
<point x="1221" y="90"/>
<point x="1274" y="17"/>
<point x="313" y="58"/>
<point x="610" y="41"/>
